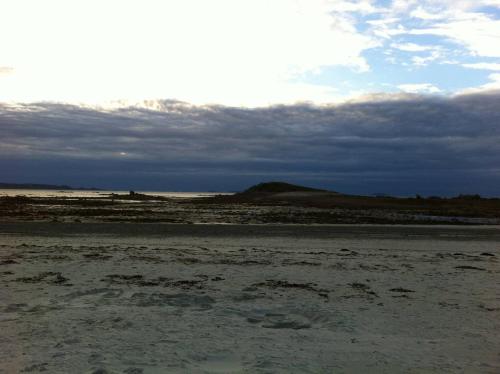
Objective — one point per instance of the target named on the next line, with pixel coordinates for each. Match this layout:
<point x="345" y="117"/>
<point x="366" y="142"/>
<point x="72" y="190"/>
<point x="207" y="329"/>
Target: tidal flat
<point x="176" y="298"/>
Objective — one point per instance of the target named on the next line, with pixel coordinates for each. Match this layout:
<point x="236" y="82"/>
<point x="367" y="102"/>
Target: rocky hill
<point x="277" y="187"/>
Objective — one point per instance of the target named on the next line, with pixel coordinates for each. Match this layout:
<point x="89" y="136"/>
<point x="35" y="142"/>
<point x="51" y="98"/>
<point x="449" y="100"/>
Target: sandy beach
<point x="250" y="187"/>
<point x="157" y="298"/>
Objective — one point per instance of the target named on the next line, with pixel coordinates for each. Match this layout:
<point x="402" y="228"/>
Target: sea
<point x="91" y="193"/>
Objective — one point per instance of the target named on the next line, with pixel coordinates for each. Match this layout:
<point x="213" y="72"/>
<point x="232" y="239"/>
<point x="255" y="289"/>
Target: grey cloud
<point x="417" y="143"/>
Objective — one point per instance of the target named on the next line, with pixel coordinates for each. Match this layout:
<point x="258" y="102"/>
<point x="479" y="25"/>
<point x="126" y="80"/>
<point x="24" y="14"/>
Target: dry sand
<point x="139" y="298"/>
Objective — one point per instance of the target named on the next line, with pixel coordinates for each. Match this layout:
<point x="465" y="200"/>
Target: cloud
<point x="424" y="61"/>
<point x="419" y="88"/>
<point x="221" y="51"/>
<point x="469" y="23"/>
<point x="421" y="13"/>
<point x="478" y="32"/>
<point x="492" y="85"/>
<point x="483" y="66"/>
<point x="400" y="144"/>
<point x="412" y="47"/>
<point x="230" y="51"/>
<point x="386" y="27"/>
<point x="358" y="6"/>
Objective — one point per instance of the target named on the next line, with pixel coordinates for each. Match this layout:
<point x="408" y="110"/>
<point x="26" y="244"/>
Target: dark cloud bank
<point x="415" y="144"/>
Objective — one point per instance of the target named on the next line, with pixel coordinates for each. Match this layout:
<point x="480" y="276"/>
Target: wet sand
<point x="156" y="298"/>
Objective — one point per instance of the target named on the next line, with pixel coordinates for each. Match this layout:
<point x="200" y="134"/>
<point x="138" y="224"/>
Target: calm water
<point x="83" y="193"/>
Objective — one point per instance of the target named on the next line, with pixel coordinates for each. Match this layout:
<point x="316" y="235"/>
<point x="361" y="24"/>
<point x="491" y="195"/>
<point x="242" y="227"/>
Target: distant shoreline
<point x="36" y="186"/>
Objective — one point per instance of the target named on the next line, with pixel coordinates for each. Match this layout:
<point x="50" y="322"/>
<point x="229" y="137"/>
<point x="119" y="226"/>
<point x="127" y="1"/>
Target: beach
<point x="250" y="187"/>
<point x="156" y="298"/>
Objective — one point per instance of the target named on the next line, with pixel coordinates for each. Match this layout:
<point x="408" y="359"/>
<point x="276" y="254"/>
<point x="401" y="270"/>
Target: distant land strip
<point x="35" y="186"/>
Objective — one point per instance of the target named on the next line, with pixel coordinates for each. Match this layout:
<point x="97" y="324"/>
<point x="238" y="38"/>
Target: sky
<point x="382" y="96"/>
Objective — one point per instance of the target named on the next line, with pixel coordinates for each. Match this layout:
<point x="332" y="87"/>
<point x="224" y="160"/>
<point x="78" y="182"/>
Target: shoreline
<point x="306" y="208"/>
<point x="323" y="231"/>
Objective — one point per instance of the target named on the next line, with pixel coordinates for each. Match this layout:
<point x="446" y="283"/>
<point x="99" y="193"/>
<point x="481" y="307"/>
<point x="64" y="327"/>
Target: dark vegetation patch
<point x="279" y="284"/>
<point x="97" y="256"/>
<point x="140" y="281"/>
<point x="185" y="284"/>
<point x="135" y="196"/>
<point x="151" y="259"/>
<point x="346" y="252"/>
<point x="300" y="263"/>
<point x="488" y="309"/>
<point x="400" y="289"/>
<point x="227" y="261"/>
<point x="54" y="257"/>
<point x="364" y="288"/>
<point x="12" y="308"/>
<point x="123" y="279"/>
<point x="221" y="261"/>
<point x="295" y="325"/>
<point x="188" y="260"/>
<point x="134" y="217"/>
<point x="15" y="200"/>
<point x="35" y="368"/>
<point x="8" y="261"/>
<point x="48" y="277"/>
<point x="467" y="267"/>
<point x="459" y="256"/>
<point x="97" y="212"/>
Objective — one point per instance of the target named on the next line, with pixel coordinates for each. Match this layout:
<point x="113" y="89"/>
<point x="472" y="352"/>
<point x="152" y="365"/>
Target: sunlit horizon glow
<point x="244" y="53"/>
